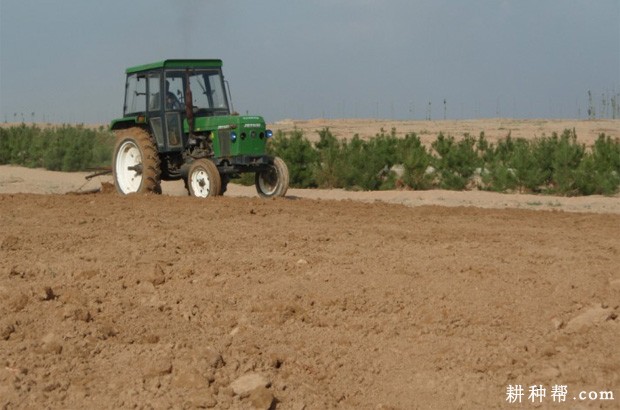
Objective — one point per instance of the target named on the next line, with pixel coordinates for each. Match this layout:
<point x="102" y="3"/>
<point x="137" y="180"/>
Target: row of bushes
<point x="557" y="164"/>
<point x="65" y="148"/>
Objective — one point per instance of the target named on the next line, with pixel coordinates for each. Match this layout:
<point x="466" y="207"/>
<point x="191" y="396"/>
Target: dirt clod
<point x="51" y="343"/>
<point x="10" y="243"/>
<point x="158" y="277"/>
<point x="213" y="358"/>
<point x="247" y="383"/>
<point x="590" y="317"/>
<point x="261" y="398"/>
<point x="6" y="330"/>
<point x="46" y="294"/>
<point x="158" y="367"/>
<point x="18" y="302"/>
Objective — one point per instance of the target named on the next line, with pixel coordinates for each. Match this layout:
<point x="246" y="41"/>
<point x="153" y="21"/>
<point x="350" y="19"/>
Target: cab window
<point x="135" y="94"/>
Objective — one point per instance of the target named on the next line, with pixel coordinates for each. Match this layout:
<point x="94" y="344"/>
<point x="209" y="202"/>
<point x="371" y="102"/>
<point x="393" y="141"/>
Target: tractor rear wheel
<point x="274" y="180"/>
<point x="203" y="179"/>
<point x="224" y="184"/>
<point x="136" y="162"/>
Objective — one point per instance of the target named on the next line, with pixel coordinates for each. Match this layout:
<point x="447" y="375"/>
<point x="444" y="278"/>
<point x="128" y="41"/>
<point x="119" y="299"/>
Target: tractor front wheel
<point x="203" y="179"/>
<point x="274" y="180"/>
<point x="136" y="163"/>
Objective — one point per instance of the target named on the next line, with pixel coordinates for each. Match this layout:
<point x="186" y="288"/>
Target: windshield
<point x="207" y="87"/>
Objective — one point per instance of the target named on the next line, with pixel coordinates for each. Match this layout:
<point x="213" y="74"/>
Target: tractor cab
<point x="162" y="93"/>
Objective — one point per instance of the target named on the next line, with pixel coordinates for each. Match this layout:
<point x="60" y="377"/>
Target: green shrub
<point x="329" y="153"/>
<point x="606" y="152"/>
<point x="503" y="151"/>
<point x="599" y="171"/>
<point x="485" y="149"/>
<point x="529" y="164"/>
<point x="102" y="148"/>
<point x="299" y="156"/>
<point x="381" y="156"/>
<point x="366" y="165"/>
<point x="457" y="161"/>
<point x="54" y="153"/>
<point x="499" y="177"/>
<point x="15" y="143"/>
<point x="356" y="164"/>
<point x="353" y="172"/>
<point x="416" y="161"/>
<point x="567" y="157"/>
<point x="65" y="148"/>
<point x="246" y="179"/>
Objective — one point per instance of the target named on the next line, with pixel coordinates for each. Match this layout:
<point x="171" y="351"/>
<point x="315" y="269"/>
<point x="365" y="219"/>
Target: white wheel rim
<point x="265" y="187"/>
<point x="128" y="156"/>
<point x="200" y="183"/>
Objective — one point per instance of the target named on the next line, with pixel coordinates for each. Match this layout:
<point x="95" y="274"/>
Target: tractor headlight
<point x="268" y="133"/>
<point x="233" y="136"/>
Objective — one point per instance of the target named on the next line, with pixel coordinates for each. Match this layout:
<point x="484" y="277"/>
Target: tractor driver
<point x="172" y="102"/>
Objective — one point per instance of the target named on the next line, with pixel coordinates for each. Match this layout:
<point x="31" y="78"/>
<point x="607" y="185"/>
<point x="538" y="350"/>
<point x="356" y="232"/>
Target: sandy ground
<point x="298" y="303"/>
<point x="39" y="181"/>
<point x="494" y="128"/>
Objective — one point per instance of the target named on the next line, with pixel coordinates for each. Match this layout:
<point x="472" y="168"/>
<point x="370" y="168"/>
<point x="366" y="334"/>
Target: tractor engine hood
<point x="238" y="123"/>
<point x="234" y="135"/>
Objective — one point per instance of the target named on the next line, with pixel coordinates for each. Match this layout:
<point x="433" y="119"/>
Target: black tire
<point x="273" y="181"/>
<point x="203" y="179"/>
<point x="135" y="164"/>
<point x="224" y="184"/>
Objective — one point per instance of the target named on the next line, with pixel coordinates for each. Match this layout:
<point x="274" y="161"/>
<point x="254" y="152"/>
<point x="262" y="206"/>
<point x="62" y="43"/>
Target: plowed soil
<point x="237" y="302"/>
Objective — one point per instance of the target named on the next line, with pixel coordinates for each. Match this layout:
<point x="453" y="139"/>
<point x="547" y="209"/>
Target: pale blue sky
<point x="65" y="59"/>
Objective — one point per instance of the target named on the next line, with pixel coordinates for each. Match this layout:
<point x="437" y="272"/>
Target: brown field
<point x="111" y="302"/>
<point x="323" y="299"/>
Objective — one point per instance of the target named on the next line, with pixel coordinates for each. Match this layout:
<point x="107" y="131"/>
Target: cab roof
<point x="185" y="63"/>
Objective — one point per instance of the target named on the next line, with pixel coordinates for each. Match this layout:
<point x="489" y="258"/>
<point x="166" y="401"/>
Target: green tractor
<point x="178" y="124"/>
